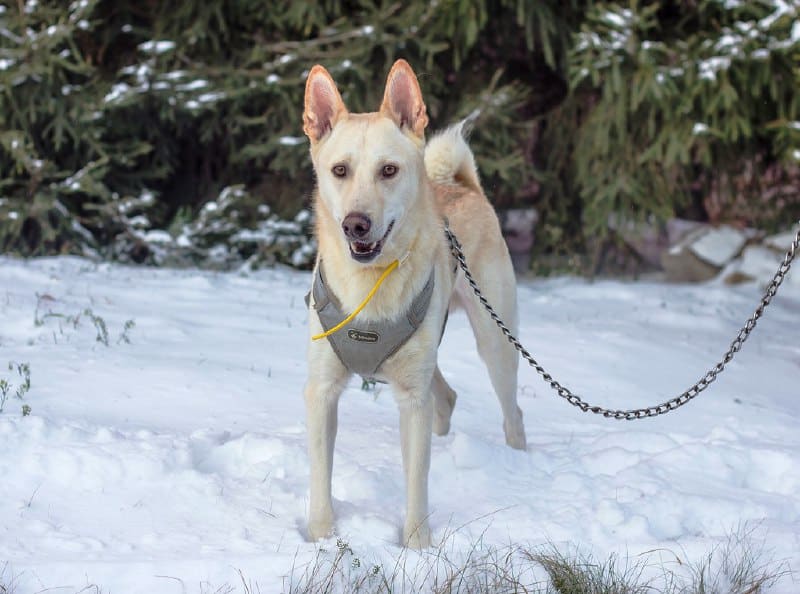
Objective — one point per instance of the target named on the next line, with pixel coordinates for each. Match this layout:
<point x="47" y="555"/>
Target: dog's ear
<point x="402" y="99"/>
<point x="323" y="106"/>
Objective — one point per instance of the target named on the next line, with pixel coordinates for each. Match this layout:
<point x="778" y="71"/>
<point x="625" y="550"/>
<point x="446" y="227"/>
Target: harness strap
<point x="363" y="346"/>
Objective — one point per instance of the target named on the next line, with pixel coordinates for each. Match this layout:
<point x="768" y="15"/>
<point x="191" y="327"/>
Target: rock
<point x="702" y="252"/>
<point x="518" y="229"/>
<point x="647" y="240"/>
<point x="682" y="265"/>
<point x="718" y="246"/>
<point x="780" y="242"/>
<point x="678" y="229"/>
<point x="758" y="263"/>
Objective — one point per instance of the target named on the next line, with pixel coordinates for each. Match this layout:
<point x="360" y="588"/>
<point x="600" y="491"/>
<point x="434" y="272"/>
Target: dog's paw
<point x="417" y="536"/>
<point x="515" y="432"/>
<point x="318" y="529"/>
<point x="441" y="425"/>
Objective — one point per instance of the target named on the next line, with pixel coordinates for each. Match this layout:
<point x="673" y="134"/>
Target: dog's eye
<point x="339" y="170"/>
<point x="389" y="170"/>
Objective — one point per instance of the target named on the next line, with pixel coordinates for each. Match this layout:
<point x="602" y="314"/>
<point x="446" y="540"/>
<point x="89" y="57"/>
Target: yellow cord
<point x="369" y="296"/>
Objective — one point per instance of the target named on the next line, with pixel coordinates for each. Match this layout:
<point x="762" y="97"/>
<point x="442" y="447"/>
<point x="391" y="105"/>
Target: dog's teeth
<point x="363" y="248"/>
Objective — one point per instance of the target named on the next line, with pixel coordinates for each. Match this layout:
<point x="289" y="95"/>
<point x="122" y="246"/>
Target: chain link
<point x="650" y="411"/>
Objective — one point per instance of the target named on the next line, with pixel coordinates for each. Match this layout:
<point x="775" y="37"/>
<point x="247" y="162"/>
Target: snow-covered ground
<point x="173" y="462"/>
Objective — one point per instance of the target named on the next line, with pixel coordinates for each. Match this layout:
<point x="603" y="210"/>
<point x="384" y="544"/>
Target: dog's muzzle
<point x="364" y="251"/>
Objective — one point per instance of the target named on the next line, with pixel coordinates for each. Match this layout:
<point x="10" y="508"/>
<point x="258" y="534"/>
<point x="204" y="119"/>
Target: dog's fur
<point x="405" y="205"/>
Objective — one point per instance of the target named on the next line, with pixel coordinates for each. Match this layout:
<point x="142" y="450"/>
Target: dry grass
<point x="580" y="574"/>
<point x="740" y="565"/>
<point x="491" y="569"/>
<point x="6" y="581"/>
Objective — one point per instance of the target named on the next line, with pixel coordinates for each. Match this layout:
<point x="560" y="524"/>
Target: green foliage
<point x="689" y="109"/>
<point x="17" y="388"/>
<point x="120" y="120"/>
<point x="120" y="117"/>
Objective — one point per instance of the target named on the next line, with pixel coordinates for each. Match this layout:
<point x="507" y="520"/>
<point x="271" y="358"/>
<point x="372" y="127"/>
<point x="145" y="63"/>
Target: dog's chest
<point x="363" y="346"/>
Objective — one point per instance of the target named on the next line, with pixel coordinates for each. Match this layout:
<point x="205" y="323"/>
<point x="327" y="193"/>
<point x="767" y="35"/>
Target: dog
<point x="382" y="196"/>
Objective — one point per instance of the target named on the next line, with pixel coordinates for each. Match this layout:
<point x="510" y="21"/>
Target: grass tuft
<point x="740" y="565"/>
<point x="6" y="582"/>
<point x="579" y="574"/>
<point x="22" y="386"/>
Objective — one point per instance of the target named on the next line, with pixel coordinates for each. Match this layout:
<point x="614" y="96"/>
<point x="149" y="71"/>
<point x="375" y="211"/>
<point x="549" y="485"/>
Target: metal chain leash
<point x="650" y="411"/>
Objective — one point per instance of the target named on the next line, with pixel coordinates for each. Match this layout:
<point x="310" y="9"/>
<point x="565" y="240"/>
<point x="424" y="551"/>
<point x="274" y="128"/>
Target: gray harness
<point x="363" y="346"/>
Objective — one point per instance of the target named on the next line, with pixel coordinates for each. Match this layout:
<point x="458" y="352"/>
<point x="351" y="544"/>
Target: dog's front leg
<point x="416" y="419"/>
<point x="322" y="401"/>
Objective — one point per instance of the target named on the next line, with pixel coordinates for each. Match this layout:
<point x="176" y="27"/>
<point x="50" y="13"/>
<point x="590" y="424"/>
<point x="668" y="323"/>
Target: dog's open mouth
<point x="362" y="251"/>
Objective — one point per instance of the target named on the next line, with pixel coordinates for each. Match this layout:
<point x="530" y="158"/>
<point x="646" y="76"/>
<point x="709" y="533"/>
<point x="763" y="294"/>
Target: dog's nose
<point x="356" y="225"/>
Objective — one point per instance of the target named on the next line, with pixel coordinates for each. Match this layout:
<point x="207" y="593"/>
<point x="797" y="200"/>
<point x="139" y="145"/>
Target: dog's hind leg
<point x="322" y="401"/>
<point x="444" y="401"/>
<point x="497" y="353"/>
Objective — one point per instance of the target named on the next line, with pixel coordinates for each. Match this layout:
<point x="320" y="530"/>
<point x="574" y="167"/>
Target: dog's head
<point x="369" y="166"/>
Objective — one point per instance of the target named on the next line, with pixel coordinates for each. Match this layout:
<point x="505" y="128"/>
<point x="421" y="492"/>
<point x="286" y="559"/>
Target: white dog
<point x="382" y="197"/>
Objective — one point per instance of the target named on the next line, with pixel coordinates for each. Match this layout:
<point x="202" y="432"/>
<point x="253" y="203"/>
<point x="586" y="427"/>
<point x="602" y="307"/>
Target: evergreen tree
<point x="137" y="129"/>
<point x="686" y="108"/>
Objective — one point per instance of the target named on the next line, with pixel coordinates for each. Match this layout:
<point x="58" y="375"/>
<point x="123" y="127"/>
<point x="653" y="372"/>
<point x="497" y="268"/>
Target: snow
<point x="781" y="8"/>
<point x="157" y="46"/>
<point x="757" y="262"/>
<point x="291" y="140"/>
<point x="709" y="67"/>
<point x="210" y="97"/>
<point x="193" y="85"/>
<point x="620" y="20"/>
<point x="178" y="458"/>
<point x="158" y="236"/>
<point x="780" y="241"/>
<point x="177" y="75"/>
<point x="117" y="91"/>
<point x="719" y="245"/>
<point x="80" y="5"/>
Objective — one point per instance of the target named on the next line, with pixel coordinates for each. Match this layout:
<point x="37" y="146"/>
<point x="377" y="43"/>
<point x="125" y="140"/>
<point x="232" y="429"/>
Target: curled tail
<point x="448" y="158"/>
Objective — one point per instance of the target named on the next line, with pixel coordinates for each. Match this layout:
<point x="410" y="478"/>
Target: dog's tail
<point x="448" y="158"/>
